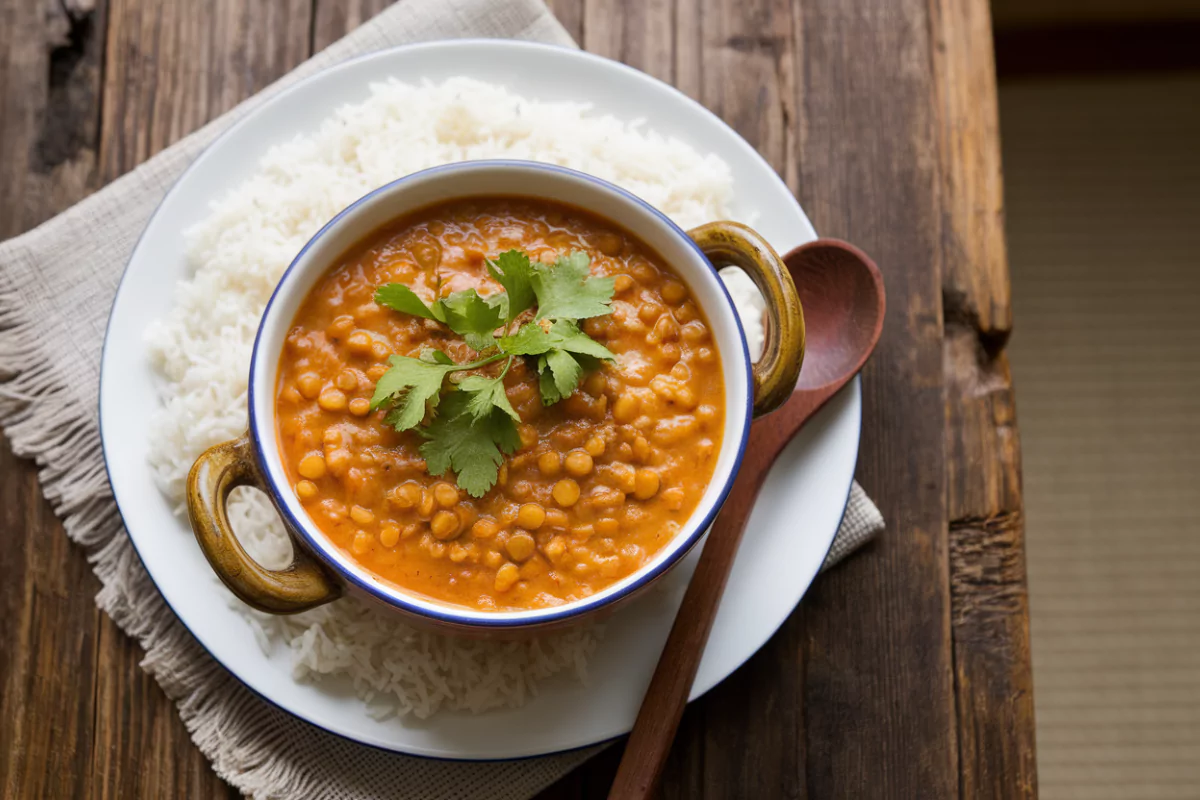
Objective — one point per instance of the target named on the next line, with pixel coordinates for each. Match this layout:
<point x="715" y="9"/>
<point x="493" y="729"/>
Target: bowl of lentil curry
<point x="496" y="396"/>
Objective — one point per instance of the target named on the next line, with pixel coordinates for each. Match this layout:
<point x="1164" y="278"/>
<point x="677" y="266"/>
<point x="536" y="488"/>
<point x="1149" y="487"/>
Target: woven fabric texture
<point x="1102" y="185"/>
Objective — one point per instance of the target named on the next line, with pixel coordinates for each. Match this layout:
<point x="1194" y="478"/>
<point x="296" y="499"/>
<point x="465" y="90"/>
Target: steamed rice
<point x="237" y="255"/>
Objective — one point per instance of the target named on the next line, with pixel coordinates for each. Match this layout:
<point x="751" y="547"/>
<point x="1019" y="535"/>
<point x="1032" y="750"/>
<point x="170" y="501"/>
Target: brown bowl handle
<point x="775" y="374"/>
<point x="303" y="585"/>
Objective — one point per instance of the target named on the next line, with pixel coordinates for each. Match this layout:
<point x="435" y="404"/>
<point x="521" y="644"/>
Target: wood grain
<point x="975" y="263"/>
<point x="89" y="91"/>
<point x="333" y="19"/>
<point x="990" y="614"/>
<point x="878" y="643"/>
<point x="905" y="673"/>
<point x="50" y="62"/>
<point x="171" y="68"/>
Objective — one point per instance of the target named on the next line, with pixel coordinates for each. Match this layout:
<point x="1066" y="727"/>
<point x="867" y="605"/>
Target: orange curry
<point x="603" y="478"/>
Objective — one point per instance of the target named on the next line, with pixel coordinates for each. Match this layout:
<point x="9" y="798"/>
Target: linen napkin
<point x="57" y="284"/>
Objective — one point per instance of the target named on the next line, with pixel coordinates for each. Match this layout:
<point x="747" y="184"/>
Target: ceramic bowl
<point x="321" y="572"/>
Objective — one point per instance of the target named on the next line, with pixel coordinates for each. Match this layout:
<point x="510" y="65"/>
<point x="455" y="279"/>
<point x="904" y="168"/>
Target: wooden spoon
<point x="841" y="291"/>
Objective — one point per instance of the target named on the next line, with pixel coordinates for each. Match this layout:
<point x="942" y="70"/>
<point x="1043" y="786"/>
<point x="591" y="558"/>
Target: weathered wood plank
<point x="747" y="63"/>
<point x="975" y="267"/>
<point x="741" y="60"/>
<point x="50" y="62"/>
<point x="333" y="19"/>
<point x="990" y="613"/>
<point x="50" y="57"/>
<point x="141" y="746"/>
<point x="48" y="627"/>
<point x="171" y="67"/>
<point x="642" y="34"/>
<point x="879" y="709"/>
<point x="754" y="724"/>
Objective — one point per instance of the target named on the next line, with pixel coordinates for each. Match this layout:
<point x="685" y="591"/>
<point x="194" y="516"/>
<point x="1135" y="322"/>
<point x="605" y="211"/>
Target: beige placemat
<point x="56" y="288"/>
<point x="1102" y="185"/>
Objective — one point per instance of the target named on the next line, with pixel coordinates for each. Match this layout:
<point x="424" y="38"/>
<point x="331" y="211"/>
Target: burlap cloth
<point x="56" y="288"/>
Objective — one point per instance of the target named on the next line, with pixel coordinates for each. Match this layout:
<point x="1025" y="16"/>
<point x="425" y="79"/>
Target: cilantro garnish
<point x="409" y="388"/>
<point x="467" y="423"/>
<point x="564" y="291"/>
<point x="513" y="270"/>
<point x="471" y="446"/>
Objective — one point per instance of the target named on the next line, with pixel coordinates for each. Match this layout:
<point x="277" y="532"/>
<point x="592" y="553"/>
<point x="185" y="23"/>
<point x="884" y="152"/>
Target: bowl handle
<point x="303" y="585"/>
<point x="775" y="374"/>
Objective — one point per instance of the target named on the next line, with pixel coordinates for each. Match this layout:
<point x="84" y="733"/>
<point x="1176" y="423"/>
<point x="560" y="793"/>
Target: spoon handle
<point x="654" y="731"/>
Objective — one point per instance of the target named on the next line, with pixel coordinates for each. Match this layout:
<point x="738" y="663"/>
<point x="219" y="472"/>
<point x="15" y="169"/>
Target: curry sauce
<point x="603" y="479"/>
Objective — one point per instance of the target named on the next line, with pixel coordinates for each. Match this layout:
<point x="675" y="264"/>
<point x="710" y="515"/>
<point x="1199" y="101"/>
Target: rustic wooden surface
<point x="905" y="673"/>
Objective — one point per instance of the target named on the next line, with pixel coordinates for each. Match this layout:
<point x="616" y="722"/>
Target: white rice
<point x="237" y="255"/>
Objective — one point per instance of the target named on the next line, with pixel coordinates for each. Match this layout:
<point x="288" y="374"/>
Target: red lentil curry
<point x="588" y="489"/>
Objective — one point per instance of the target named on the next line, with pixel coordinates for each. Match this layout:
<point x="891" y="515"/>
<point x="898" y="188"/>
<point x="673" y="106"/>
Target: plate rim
<point x="246" y="119"/>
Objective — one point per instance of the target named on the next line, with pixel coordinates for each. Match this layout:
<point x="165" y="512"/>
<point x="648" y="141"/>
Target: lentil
<point x="531" y="516"/>
<point x="578" y="463"/>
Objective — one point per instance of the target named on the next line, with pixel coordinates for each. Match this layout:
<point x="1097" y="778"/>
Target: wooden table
<point x="905" y="673"/>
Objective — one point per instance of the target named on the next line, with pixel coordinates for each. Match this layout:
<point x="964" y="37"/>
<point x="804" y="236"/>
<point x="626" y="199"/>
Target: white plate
<point x="790" y="531"/>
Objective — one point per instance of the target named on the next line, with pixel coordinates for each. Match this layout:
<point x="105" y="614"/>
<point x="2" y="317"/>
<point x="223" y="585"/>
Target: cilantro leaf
<point x="486" y="394"/>
<point x="473" y="449"/>
<point x="476" y="424"/>
<point x="557" y="346"/>
<point x="512" y="270"/>
<point x="564" y="372"/>
<point x="410" y="386"/>
<point x="466" y="313"/>
<point x="399" y="297"/>
<point x="537" y="338"/>
<point x="549" y="391"/>
<point x="531" y="340"/>
<point x="499" y="301"/>
<point x="568" y="336"/>
<point x="431" y="356"/>
<point x="471" y="317"/>
<point x="565" y="290"/>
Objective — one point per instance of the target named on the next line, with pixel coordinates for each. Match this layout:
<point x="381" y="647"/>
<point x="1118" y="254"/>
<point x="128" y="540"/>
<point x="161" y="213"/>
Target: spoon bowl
<point x="841" y="292"/>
